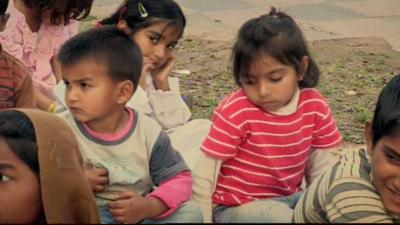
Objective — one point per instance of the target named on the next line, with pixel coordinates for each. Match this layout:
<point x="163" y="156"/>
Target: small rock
<point x="350" y="93"/>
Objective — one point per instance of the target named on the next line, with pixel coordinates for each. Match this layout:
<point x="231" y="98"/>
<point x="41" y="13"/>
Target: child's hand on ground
<point x="133" y="208"/>
<point x="160" y="74"/>
<point x="97" y="178"/>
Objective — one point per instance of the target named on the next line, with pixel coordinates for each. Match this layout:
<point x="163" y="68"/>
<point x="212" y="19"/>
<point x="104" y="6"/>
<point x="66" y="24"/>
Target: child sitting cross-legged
<point x="126" y="152"/>
<point x="272" y="133"/>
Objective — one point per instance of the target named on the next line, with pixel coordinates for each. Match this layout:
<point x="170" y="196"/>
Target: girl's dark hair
<point x="108" y="46"/>
<point x="19" y="134"/>
<point x="69" y="9"/>
<point x="386" y="120"/>
<point x="3" y="6"/>
<point x="140" y="14"/>
<point x="277" y="35"/>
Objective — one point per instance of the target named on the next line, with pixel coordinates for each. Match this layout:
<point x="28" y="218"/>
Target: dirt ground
<point x="353" y="71"/>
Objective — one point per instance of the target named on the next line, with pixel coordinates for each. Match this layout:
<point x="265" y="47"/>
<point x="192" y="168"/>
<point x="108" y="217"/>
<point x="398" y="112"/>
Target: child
<point x="265" y="133"/>
<point x="41" y="172"/>
<point x="128" y="152"/>
<point x="156" y="26"/>
<point x="40" y="29"/>
<point x="16" y="88"/>
<point x="364" y="186"/>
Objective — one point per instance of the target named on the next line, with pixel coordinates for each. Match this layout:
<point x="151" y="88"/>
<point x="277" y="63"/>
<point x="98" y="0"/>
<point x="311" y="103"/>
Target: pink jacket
<point x="37" y="49"/>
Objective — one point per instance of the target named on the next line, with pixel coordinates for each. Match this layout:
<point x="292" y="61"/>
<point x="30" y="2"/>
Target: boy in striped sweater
<point x="266" y="134"/>
<point x="364" y="186"/>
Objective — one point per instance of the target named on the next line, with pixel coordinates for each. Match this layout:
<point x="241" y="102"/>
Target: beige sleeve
<point x="320" y="160"/>
<point x="169" y="109"/>
<point x="205" y="175"/>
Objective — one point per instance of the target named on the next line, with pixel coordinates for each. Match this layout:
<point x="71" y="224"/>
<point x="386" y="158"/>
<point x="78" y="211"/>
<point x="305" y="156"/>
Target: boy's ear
<point x="305" y="62"/>
<point x="125" y="91"/>
<point x="368" y="137"/>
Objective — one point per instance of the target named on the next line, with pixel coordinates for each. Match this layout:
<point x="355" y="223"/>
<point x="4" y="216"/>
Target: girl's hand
<point x="132" y="208"/>
<point x="146" y="69"/>
<point x="160" y="75"/>
<point x="97" y="178"/>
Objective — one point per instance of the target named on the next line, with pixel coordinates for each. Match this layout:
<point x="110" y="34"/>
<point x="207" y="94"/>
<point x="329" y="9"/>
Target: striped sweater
<point x="265" y="155"/>
<point x="343" y="194"/>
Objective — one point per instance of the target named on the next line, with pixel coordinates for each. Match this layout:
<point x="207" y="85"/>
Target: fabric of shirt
<point x="141" y="158"/>
<point x="16" y="88"/>
<point x="167" y="107"/>
<point x="344" y="194"/>
<point x="264" y="154"/>
<point x="36" y="49"/>
<point x="206" y="169"/>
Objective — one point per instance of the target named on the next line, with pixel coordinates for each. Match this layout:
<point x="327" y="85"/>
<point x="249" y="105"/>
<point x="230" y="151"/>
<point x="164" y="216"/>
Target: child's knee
<point x="190" y="213"/>
<point x="261" y="211"/>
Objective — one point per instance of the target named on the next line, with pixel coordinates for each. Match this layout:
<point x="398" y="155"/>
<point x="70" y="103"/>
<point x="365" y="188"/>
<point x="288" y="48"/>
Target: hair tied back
<point x="142" y="10"/>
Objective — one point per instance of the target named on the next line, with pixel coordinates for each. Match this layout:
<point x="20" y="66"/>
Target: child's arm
<point x="163" y="95"/>
<point x="352" y="200"/>
<point x="131" y="208"/>
<point x="205" y="174"/>
<point x="169" y="109"/>
<point x="326" y="140"/>
<point x="320" y="160"/>
<point x="160" y="75"/>
<point x="25" y="97"/>
<point x="168" y="171"/>
<point x="14" y="37"/>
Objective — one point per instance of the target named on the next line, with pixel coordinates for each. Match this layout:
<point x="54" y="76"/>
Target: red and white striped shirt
<point x="265" y="155"/>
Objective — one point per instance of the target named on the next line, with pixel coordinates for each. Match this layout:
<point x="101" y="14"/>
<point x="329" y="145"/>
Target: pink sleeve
<point x="14" y="38"/>
<point x="174" y="192"/>
<point x="51" y="38"/>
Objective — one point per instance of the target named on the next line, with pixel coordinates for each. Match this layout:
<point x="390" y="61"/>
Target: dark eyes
<point x="84" y="85"/>
<point x="392" y="158"/>
<point x="155" y="40"/>
<point x="4" y="178"/>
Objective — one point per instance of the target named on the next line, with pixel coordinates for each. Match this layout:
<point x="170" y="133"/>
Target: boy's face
<point x="270" y="84"/>
<point x="385" y="160"/>
<point x="20" y="200"/>
<point x="91" y="95"/>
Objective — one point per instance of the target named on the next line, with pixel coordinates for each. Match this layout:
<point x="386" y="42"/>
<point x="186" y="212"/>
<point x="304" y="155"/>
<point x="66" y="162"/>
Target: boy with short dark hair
<point x="127" y="152"/>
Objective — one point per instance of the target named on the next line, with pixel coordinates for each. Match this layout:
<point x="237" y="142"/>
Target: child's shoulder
<point x="233" y="102"/>
<point x="308" y="93"/>
<point x="145" y="122"/>
<point x="312" y="98"/>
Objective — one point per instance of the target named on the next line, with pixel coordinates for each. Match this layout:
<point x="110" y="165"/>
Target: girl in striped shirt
<point x="276" y="130"/>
